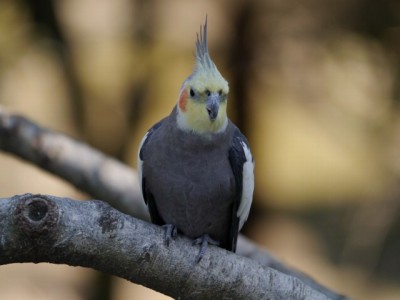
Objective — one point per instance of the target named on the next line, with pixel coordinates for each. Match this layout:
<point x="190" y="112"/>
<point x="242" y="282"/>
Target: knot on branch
<point x="36" y="216"/>
<point x="110" y="220"/>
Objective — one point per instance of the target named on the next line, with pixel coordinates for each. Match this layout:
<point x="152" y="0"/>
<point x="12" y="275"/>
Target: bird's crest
<point x="202" y="57"/>
<point x="205" y="69"/>
<point x="204" y="81"/>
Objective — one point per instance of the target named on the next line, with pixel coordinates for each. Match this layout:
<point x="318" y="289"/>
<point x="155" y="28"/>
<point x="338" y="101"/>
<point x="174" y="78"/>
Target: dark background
<point x="313" y="84"/>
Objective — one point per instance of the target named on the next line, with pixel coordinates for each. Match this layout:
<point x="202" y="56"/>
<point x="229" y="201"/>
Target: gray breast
<point x="191" y="181"/>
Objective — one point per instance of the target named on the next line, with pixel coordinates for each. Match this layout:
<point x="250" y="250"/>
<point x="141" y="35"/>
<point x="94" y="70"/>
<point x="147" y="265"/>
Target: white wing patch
<point x="140" y="162"/>
<point x="247" y="186"/>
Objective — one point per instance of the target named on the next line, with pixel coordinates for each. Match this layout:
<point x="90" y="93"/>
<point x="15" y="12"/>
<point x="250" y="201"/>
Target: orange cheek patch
<point x="183" y="101"/>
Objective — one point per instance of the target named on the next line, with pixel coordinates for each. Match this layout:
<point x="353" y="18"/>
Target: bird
<point x="195" y="167"/>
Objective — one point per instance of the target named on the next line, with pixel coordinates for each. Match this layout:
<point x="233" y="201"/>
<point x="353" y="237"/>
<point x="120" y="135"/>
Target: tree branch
<point x="86" y="168"/>
<point x="108" y="179"/>
<point x="41" y="228"/>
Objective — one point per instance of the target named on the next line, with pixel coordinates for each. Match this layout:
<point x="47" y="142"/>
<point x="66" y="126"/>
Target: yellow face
<point x="203" y="96"/>
<point x="193" y="103"/>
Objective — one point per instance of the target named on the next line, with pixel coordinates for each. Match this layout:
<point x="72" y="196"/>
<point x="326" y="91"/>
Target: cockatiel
<point x="195" y="166"/>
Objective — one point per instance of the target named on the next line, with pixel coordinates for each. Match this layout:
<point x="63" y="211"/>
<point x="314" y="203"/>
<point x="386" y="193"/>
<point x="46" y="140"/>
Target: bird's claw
<point x="204" y="241"/>
<point x="170" y="233"/>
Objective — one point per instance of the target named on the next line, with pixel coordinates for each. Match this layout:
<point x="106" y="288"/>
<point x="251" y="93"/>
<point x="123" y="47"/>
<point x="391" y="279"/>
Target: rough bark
<point x="106" y="178"/>
<point x="42" y="228"/>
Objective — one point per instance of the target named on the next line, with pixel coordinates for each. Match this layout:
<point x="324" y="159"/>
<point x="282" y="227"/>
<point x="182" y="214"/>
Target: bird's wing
<point x="242" y="164"/>
<point x="147" y="196"/>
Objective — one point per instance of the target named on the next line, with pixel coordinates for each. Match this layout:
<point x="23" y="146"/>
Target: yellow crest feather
<point x="206" y="75"/>
<point x="205" y="78"/>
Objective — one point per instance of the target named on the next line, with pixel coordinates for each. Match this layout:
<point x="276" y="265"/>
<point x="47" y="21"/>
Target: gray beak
<point x="212" y="105"/>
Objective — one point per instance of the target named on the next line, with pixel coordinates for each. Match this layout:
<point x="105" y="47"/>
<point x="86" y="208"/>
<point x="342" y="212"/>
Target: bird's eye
<point x="208" y="93"/>
<point x="191" y="93"/>
<point x="220" y="92"/>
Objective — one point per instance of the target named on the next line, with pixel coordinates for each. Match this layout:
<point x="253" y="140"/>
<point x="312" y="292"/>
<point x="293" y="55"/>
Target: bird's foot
<point x="204" y="241"/>
<point x="170" y="233"/>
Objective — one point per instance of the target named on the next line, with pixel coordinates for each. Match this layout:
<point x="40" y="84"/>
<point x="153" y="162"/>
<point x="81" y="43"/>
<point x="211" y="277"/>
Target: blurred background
<point x="315" y="86"/>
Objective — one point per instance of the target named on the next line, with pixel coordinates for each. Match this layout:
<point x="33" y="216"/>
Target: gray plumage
<point x="195" y="166"/>
<point x="189" y="181"/>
